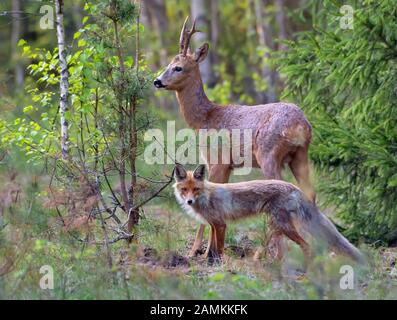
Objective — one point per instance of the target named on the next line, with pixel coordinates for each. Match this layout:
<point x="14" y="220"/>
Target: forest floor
<point x="239" y="276"/>
<point x="157" y="267"/>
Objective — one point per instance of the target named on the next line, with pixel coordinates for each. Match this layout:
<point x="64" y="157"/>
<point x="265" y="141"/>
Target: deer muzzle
<point x="158" y="84"/>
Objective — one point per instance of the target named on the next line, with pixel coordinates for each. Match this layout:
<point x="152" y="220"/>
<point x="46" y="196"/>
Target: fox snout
<point x="189" y="201"/>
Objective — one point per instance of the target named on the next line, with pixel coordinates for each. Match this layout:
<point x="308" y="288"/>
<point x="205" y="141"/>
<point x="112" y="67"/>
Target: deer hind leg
<point x="270" y="165"/>
<point x="219" y="174"/>
<point x="301" y="170"/>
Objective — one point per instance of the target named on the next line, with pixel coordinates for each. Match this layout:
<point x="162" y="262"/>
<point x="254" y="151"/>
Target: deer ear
<point x="201" y="53"/>
<point x="199" y="172"/>
<point x="179" y="173"/>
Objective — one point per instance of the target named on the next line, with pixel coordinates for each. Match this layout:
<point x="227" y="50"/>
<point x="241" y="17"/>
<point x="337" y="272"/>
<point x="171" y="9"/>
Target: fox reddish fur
<point x="280" y="132"/>
<point x="291" y="212"/>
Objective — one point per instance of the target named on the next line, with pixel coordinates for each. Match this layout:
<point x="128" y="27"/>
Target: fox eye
<point x="196" y="189"/>
<point x="178" y="69"/>
<point x="184" y="189"/>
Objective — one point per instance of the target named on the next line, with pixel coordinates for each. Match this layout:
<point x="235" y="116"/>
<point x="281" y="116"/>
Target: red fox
<point x="291" y="212"/>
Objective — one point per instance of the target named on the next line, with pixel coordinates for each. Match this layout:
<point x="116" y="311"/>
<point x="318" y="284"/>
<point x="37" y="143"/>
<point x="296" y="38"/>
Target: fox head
<point x="189" y="184"/>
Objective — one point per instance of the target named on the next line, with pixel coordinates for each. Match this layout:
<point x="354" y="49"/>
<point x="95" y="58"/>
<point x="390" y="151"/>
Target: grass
<point x="155" y="267"/>
<point x="81" y="272"/>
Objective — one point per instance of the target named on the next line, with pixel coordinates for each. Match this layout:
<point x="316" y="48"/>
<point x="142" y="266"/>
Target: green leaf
<point x="28" y="109"/>
<point x="81" y="43"/>
<point x="392" y="181"/>
<point x="21" y="42"/>
<point x="76" y="34"/>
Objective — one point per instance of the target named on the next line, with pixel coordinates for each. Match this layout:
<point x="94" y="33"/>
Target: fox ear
<point x="199" y="172"/>
<point x="179" y="172"/>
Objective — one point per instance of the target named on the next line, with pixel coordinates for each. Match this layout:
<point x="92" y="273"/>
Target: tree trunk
<point x="215" y="30"/>
<point x="263" y="29"/>
<point x="133" y="216"/>
<point x="199" y="12"/>
<point x="64" y="75"/>
<point x="15" y="36"/>
<point x="156" y="14"/>
<point x="280" y="18"/>
<point x="77" y="15"/>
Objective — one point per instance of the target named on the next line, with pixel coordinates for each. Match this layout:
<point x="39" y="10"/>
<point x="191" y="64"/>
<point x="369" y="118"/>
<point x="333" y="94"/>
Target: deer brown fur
<point x="280" y="132"/>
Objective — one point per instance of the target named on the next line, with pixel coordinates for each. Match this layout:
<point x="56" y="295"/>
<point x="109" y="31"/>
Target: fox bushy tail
<point x="320" y="227"/>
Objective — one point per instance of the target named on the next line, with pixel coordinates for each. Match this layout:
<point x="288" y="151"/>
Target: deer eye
<point x="178" y="69"/>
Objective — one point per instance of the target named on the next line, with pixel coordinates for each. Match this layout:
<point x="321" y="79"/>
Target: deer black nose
<point x="189" y="201"/>
<point x="158" y="84"/>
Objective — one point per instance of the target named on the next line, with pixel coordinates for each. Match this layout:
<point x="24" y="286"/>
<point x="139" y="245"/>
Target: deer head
<point x="184" y="67"/>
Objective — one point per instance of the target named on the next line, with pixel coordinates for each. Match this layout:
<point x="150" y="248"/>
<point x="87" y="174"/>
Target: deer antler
<point x="185" y="36"/>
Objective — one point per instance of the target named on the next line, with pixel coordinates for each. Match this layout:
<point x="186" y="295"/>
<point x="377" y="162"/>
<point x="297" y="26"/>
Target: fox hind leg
<point x="273" y="246"/>
<point x="286" y="226"/>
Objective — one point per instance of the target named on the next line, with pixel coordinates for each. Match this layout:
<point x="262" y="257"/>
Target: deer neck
<point x="194" y="104"/>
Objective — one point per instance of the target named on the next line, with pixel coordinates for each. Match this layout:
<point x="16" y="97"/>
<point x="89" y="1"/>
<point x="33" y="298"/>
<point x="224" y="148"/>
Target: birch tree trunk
<point x="15" y="36"/>
<point x="63" y="83"/>
<point x="199" y="12"/>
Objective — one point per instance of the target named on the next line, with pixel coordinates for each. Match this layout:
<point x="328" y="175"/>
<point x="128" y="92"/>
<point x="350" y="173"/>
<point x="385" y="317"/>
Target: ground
<point x="156" y="266"/>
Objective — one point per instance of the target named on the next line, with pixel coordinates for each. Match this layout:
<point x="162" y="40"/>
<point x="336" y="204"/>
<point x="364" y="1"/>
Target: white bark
<point x="64" y="75"/>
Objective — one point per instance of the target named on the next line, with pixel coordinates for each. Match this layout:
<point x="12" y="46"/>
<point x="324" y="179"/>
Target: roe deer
<point x="280" y="132"/>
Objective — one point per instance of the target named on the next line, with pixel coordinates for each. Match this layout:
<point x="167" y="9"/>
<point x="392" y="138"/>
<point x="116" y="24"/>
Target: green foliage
<point x="93" y="74"/>
<point x="345" y="80"/>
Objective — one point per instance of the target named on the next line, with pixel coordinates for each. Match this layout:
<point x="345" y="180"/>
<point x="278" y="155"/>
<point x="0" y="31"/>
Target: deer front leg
<point x="219" y="174"/>
<point x="216" y="241"/>
<point x="197" y="242"/>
